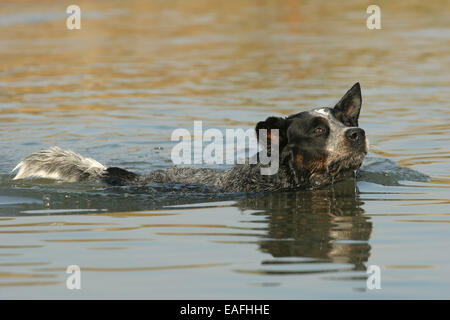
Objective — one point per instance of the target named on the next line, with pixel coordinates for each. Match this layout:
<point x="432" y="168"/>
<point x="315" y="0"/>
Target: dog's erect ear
<point x="274" y="123"/>
<point x="350" y="103"/>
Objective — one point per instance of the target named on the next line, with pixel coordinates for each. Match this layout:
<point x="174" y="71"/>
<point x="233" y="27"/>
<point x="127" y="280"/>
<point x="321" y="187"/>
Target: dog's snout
<point x="355" y="134"/>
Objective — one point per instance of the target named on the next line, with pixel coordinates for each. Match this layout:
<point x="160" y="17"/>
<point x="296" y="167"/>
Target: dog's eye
<point x="319" y="130"/>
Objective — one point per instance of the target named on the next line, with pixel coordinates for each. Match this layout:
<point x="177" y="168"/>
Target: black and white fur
<point x="316" y="148"/>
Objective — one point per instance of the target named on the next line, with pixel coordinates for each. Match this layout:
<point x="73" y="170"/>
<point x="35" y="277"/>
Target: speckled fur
<point x="59" y="164"/>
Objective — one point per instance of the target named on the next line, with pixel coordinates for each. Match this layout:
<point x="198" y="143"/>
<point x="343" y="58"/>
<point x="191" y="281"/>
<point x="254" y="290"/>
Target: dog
<point x="316" y="148"/>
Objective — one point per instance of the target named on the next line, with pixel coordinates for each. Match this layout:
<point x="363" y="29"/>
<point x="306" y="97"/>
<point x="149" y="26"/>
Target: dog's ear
<point x="274" y="123"/>
<point x="350" y="103"/>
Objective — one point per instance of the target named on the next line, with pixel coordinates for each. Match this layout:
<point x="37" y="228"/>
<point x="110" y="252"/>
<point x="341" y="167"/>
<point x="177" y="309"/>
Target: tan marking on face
<point x="299" y="161"/>
<point x="319" y="163"/>
<point x="272" y="139"/>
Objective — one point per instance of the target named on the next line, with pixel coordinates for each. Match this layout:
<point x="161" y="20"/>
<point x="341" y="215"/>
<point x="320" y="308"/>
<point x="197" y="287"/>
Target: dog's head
<point x="322" y="145"/>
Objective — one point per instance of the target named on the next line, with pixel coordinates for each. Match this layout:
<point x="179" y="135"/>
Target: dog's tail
<point x="65" y="165"/>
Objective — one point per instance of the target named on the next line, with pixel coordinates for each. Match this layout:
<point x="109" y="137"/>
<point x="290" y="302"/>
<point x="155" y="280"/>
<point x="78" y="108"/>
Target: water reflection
<point x="324" y="224"/>
<point x="115" y="91"/>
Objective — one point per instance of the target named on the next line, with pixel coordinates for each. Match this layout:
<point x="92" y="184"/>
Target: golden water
<point x="117" y="88"/>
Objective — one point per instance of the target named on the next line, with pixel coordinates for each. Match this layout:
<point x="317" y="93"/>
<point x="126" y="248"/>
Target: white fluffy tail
<point x="56" y="163"/>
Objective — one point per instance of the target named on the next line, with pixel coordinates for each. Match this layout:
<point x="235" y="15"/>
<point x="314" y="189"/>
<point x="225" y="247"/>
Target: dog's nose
<point x="355" y="134"/>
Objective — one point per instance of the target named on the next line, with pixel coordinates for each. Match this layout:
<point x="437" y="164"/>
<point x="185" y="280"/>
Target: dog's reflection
<point x="326" y="224"/>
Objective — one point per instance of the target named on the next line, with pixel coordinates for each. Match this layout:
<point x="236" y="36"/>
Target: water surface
<point x="116" y="89"/>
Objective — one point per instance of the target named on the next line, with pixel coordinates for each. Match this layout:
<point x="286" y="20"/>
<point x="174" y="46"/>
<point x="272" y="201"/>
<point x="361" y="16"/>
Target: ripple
<point x="137" y="269"/>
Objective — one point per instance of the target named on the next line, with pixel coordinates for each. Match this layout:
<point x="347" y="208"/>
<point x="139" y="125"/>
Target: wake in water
<point x="386" y="172"/>
<point x="45" y="193"/>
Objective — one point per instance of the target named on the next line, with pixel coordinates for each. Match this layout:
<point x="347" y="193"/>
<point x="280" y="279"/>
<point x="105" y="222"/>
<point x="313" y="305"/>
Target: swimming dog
<point x="316" y="148"/>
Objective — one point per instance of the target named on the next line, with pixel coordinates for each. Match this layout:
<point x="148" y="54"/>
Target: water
<point x="117" y="88"/>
